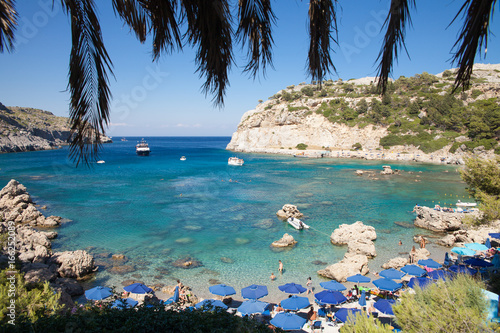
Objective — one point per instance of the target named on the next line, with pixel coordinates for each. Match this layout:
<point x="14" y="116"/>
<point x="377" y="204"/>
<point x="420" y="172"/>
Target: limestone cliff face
<point x="278" y="128"/>
<point x="28" y="129"/>
<point x="340" y="117"/>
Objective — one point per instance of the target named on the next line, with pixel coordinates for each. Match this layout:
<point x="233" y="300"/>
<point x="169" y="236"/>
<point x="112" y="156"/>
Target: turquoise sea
<point x="157" y="209"/>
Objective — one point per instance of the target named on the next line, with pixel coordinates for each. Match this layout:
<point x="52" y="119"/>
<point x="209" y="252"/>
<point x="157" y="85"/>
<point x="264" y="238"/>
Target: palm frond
<point x="8" y="23"/>
<point x="209" y="29"/>
<point x="88" y="81"/>
<point x="132" y="12"/>
<point x="255" y="20"/>
<point x="472" y="37"/>
<point x="166" y="35"/>
<point x="322" y="23"/>
<point x="396" y="21"/>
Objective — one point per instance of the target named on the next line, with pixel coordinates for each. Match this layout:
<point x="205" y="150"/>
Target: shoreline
<point x="412" y="155"/>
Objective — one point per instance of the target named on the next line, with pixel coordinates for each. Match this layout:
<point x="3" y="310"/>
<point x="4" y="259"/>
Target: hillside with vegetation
<point x="417" y="114"/>
<point x="29" y="129"/>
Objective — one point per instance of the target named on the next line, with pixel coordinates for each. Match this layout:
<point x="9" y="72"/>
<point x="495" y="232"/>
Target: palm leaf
<point x="132" y="12"/>
<point x="88" y="81"/>
<point x="209" y="29"/>
<point x="255" y="20"/>
<point x="166" y="35"/>
<point x="8" y="22"/>
<point x="322" y="22"/>
<point x="398" y="17"/>
<point x="471" y="38"/>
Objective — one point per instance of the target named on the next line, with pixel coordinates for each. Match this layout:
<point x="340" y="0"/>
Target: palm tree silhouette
<point x="208" y="27"/>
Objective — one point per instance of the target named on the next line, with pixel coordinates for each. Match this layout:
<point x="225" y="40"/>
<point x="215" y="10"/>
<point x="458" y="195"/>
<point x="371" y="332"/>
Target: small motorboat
<point x="235" y="161"/>
<point x="183" y="158"/>
<point x="296" y="223"/>
<point x="466" y="204"/>
<point x="100" y="162"/>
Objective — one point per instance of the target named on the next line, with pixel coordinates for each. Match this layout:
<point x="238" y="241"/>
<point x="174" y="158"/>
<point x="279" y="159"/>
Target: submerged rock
<point x="187" y="263"/>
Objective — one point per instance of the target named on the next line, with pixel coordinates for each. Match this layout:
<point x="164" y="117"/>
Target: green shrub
<point x="356" y="146"/>
<point x="301" y="146"/>
<point x="307" y="90"/>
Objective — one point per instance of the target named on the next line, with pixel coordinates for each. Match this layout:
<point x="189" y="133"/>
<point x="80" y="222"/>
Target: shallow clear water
<point x="157" y="209"/>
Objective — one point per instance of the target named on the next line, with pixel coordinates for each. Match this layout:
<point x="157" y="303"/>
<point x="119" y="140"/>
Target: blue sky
<point x="164" y="98"/>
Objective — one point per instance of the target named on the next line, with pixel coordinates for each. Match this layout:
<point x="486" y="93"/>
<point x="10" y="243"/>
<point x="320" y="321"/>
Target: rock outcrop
<point x="28" y="129"/>
<point x="469" y="235"/>
<point x="289" y="211"/>
<point x="395" y="263"/>
<point x="346" y="233"/>
<point x="437" y="220"/>
<point x="286" y="240"/>
<point x="351" y="264"/>
<point x="16" y="205"/>
<point x="34" y="248"/>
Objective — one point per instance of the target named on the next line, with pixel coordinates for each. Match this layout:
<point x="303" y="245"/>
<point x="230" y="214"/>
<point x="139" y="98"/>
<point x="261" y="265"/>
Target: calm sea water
<point x="157" y="209"/>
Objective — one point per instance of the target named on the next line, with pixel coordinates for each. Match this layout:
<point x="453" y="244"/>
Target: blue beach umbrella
<point x="210" y="303"/>
<point x="392" y="273"/>
<point x="464" y="251"/>
<point x="358" y="278"/>
<point x="387" y="284"/>
<point x="254" y="291"/>
<point x="413" y="270"/>
<point x="476" y="262"/>
<point x="343" y="313"/>
<point x="362" y="298"/>
<point x="494" y="235"/>
<point x="430" y="263"/>
<point x="222" y="290"/>
<point x="440" y="274"/>
<point x="292" y="288"/>
<point x="252" y="306"/>
<point x="98" y="293"/>
<point x="422" y="282"/>
<point x="384" y="306"/>
<point x="295" y="303"/>
<point x="462" y="269"/>
<point x="333" y="285"/>
<point x="137" y="288"/>
<point x="330" y="297"/>
<point x="288" y="321"/>
<point x="476" y="246"/>
<point x="124" y="303"/>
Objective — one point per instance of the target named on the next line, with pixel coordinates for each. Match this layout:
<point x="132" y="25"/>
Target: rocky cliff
<point x="27" y="129"/>
<point x="351" y="115"/>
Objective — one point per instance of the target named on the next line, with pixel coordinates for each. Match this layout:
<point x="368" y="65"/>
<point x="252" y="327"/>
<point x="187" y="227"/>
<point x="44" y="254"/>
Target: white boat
<point x="142" y="148"/>
<point x="100" y="162"/>
<point x="235" y="161"/>
<point x="466" y="204"/>
<point x="183" y="158"/>
<point x="297" y="224"/>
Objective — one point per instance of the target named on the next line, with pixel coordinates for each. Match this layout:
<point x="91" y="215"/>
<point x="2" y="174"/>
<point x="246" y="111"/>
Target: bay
<point x="158" y="209"/>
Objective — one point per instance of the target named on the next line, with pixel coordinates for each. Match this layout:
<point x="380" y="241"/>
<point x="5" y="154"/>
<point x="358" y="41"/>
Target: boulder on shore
<point x="289" y="211"/>
<point x="346" y="233"/>
<point x="352" y="264"/>
<point x="437" y="220"/>
<point x="73" y="264"/>
<point x="286" y="240"/>
<point x="395" y="263"/>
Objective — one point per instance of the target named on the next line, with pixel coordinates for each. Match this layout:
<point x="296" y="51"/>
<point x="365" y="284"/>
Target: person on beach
<point x="400" y="242"/>
<point x="280" y="267"/>
<point x="309" y="285"/>
<point x="413" y="253"/>
<point x="273" y="277"/>
<point x="312" y="316"/>
<point x="422" y="242"/>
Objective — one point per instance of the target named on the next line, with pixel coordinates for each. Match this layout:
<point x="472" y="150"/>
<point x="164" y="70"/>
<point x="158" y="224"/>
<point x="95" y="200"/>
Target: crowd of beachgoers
<point x="306" y="308"/>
